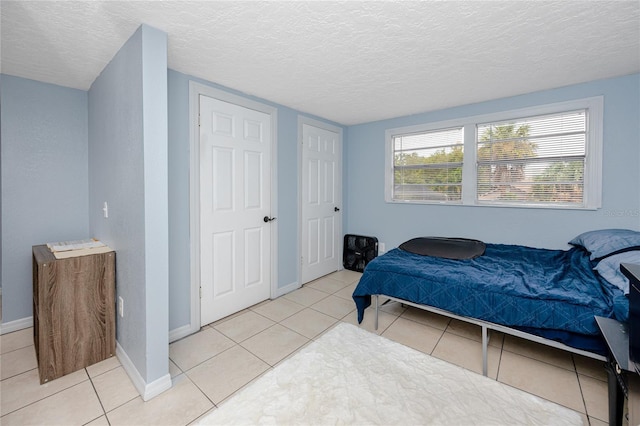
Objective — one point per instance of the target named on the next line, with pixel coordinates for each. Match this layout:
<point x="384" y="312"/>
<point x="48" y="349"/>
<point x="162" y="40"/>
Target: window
<point x="533" y="160"/>
<point x="428" y="166"/>
<point x="546" y="156"/>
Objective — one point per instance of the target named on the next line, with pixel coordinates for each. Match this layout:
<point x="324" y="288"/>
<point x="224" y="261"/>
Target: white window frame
<point x="592" y="192"/>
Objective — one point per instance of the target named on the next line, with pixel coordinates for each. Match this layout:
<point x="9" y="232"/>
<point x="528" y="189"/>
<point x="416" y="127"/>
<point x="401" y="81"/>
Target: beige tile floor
<point x="210" y="366"/>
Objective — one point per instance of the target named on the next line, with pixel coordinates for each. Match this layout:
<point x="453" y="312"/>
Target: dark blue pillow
<point x="606" y="242"/>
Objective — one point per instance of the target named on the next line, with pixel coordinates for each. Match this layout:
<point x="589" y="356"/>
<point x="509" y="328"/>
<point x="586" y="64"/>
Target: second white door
<point x="321" y="202"/>
<point x="235" y="210"/>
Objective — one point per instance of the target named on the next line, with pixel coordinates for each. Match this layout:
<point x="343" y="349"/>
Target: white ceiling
<point x="350" y="62"/>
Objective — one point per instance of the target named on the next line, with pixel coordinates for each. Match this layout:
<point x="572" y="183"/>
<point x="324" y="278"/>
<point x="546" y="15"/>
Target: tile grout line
<point x="438" y="342"/>
<point x="309" y="341"/>
<point x="499" y="361"/>
<point x="584" y="402"/>
<point x="16" y="349"/>
<point x="104" y="412"/>
<point x="201" y="391"/>
<point x="45" y="397"/>
<point x="17" y="374"/>
<point x="202" y="362"/>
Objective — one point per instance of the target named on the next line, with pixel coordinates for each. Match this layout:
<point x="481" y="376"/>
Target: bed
<point x="548" y="296"/>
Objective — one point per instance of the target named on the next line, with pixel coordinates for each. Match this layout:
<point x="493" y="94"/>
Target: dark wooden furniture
<point x="632" y="272"/>
<point x="73" y="311"/>
<point x="621" y="374"/>
<point x="622" y="371"/>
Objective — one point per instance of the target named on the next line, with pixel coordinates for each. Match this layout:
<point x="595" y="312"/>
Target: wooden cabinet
<point x="73" y="311"/>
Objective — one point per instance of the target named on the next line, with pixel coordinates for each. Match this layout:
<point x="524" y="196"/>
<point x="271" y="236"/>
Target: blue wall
<point x="44" y="179"/>
<point x="128" y="169"/>
<point x="156" y="209"/>
<point x="45" y="133"/>
<point x="367" y="212"/>
<point x="179" y="246"/>
<point x="116" y="164"/>
<point x="287" y="187"/>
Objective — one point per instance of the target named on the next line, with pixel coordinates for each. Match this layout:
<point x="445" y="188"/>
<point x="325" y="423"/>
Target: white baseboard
<point x="22" y="323"/>
<point x="180" y="332"/>
<point x="281" y="291"/>
<point x="146" y="390"/>
<point x="156" y="387"/>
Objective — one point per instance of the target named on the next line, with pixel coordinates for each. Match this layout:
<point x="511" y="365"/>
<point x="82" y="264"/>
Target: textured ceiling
<point x="350" y="62"/>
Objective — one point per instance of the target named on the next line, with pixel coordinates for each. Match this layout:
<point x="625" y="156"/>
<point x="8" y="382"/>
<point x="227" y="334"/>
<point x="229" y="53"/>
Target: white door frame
<point x="326" y="126"/>
<point x="195" y="90"/>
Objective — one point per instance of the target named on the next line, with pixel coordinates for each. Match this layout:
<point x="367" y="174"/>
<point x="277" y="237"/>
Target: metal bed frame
<point x="486" y="326"/>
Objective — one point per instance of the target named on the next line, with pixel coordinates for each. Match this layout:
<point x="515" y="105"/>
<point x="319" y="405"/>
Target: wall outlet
<point x="120" y="306"/>
<point x="381" y="248"/>
<point x="105" y="210"/>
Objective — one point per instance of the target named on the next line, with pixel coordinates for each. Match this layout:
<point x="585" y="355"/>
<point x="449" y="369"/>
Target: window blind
<point x="538" y="160"/>
<point x="427" y="166"/>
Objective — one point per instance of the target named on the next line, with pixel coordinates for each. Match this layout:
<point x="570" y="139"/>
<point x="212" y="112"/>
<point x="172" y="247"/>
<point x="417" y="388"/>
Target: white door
<point x="235" y="196"/>
<point x="321" y="202"/>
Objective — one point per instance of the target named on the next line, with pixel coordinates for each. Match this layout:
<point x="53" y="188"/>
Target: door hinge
<point x="200" y="292"/>
<point x="198" y="120"/>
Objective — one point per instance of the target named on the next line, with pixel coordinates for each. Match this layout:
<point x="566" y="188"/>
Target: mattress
<point x="516" y="286"/>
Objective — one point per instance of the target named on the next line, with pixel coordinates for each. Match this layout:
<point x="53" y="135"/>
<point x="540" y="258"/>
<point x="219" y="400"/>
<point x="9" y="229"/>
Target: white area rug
<point x="351" y="376"/>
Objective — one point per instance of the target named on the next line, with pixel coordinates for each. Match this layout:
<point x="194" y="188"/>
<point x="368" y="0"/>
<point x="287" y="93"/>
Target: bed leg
<point x="485" y="342"/>
<point x="377" y="309"/>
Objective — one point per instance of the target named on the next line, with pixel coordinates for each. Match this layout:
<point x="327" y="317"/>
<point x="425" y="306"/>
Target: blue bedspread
<point x="511" y="285"/>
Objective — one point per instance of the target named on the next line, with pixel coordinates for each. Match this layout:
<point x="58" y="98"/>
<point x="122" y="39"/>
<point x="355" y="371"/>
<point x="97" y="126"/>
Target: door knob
<point x="335" y="209"/>
<point x="268" y="219"/>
